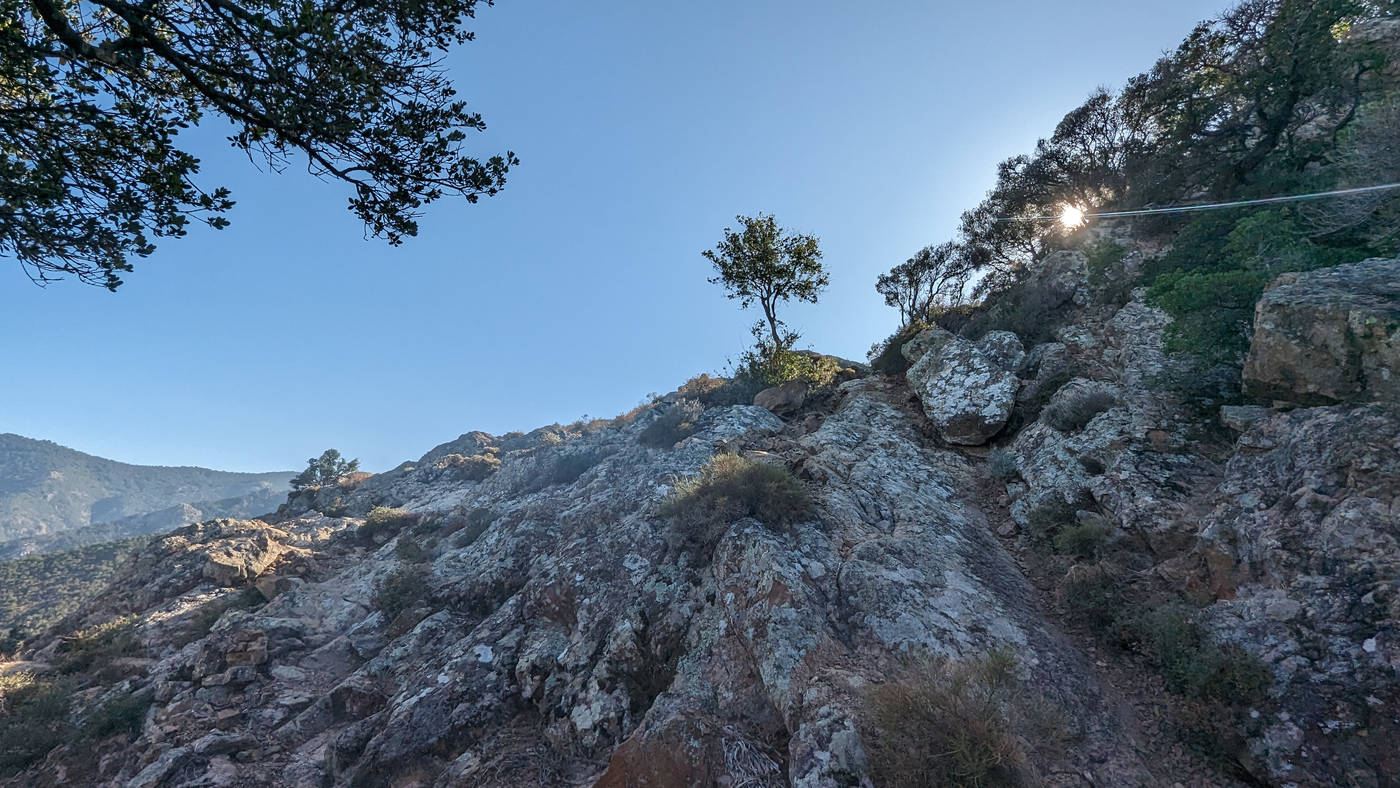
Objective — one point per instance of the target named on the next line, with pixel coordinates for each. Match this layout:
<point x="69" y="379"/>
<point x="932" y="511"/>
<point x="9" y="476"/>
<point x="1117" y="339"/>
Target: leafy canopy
<point x="326" y="469"/>
<point x="762" y="262"/>
<point x="95" y="93"/>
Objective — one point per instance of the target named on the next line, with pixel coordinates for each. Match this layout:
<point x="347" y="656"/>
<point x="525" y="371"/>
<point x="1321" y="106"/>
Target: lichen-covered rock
<point x="1004" y="349"/>
<point x="965" y="392"/>
<point x="1304" y="544"/>
<point x="926" y="341"/>
<point x="1328" y="336"/>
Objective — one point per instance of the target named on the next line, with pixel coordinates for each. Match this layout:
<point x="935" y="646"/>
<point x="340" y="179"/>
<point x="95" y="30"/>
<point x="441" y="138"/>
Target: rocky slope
<point x="533" y="616"/>
<point x="46" y="488"/>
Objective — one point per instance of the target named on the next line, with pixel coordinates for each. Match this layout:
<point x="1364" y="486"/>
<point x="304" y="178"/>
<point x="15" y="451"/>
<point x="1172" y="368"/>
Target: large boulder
<point x="783" y="399"/>
<point x="967" y="392"/>
<point x="1304" y="547"/>
<point x="1328" y="336"/>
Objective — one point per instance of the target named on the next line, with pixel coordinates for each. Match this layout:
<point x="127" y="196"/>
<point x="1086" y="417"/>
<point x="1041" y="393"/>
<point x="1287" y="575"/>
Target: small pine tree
<point x="325" y="469"/>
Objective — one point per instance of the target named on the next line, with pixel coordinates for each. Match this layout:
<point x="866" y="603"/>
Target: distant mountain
<point x="47" y="490"/>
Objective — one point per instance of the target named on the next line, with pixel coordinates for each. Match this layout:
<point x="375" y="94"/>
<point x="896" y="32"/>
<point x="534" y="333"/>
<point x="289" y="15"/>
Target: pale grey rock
<point x="964" y="392"/>
<point x="1241" y="418"/>
<point x="1004" y="349"/>
<point x="926" y="341"/>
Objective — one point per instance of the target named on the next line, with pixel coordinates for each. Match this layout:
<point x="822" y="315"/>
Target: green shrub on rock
<point x="674" y="425"/>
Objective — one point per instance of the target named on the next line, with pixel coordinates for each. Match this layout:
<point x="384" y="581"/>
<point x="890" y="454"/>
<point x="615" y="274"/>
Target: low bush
<point x="1046" y="519"/>
<point x="942" y="723"/>
<point x="473" y="525"/>
<point x="98" y="644"/>
<point x="1082" y="540"/>
<point x="731" y="487"/>
<point x="1031" y="309"/>
<point x="1107" y="279"/>
<point x="888" y="359"/>
<point x="1076" y="406"/>
<point x="471" y="469"/>
<point x="674" y="425"/>
<point x="1096" y="594"/>
<point x="400" y="590"/>
<point x="1192" y="663"/>
<point x="567" y="468"/>
<point x="382" y="523"/>
<point x="1001" y="464"/>
<point x="33" y="719"/>
<point x="123" y="713"/>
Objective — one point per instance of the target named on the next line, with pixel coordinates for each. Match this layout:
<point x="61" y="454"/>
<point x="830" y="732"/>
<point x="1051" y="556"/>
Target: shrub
<point x="731" y="487"/>
<point x="1085" y="541"/>
<point x="567" y="468"/>
<point x="400" y="590"/>
<point x="123" y="713"/>
<point x="1107" y="279"/>
<point x="101" y="643"/>
<point x="1191" y="662"/>
<point x="1046" y="519"/>
<point x="1076" y="406"/>
<point x="1001" y="464"/>
<point x="890" y="360"/>
<point x="474" y="524"/>
<point x="763" y="368"/>
<point x="33" y="719"/>
<point x="383" y="522"/>
<point x="471" y="469"/>
<point x="1095" y="593"/>
<point x="1031" y="309"/>
<point x="409" y="550"/>
<point x="674" y="425"/>
<point x="942" y="723"/>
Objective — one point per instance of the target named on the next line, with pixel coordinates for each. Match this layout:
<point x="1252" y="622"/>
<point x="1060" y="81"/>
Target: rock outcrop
<point x="967" y="388"/>
<point x="1328" y="336"/>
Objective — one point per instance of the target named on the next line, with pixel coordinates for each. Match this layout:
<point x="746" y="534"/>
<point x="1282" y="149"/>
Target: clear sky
<point x="642" y="127"/>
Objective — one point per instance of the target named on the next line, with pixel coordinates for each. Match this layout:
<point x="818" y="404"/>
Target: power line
<point x="1211" y="206"/>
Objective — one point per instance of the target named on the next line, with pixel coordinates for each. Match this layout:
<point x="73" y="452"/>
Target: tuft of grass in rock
<point x="1076" y="407"/>
<point x="471" y="469"/>
<point x="123" y="713"/>
<point x="673" y="426"/>
<point x="943" y="723"/>
<point x="472" y="525"/>
<point x="1001" y="464"/>
<point x="1082" y="540"/>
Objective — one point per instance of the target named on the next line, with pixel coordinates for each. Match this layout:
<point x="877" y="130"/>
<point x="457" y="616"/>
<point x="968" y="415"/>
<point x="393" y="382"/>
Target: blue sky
<point x="642" y="128"/>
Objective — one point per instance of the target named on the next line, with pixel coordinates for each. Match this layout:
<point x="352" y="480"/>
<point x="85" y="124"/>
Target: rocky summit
<point x="1048" y="548"/>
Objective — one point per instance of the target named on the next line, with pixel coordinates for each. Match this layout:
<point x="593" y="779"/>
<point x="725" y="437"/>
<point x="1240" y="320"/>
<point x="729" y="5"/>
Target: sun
<point x="1072" y="217"/>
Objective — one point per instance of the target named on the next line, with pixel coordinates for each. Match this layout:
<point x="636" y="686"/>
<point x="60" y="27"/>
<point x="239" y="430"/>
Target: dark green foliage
<point x="1031" y="309"/>
<point x="1076" y="406"/>
<point x="1084" y="541"/>
<point x="890" y="360"/>
<point x="1104" y="264"/>
<point x="36" y="591"/>
<point x="382" y="523"/>
<point x="764" y="367"/>
<point x="33" y="719"/>
<point x="1046" y="519"/>
<point x="763" y="263"/>
<point x="410" y="550"/>
<point x="356" y="93"/>
<point x="729" y="488"/>
<point x="400" y="590"/>
<point x="98" y="645"/>
<point x="940" y="724"/>
<point x="473" y="524"/>
<point x="1097" y="594"/>
<point x="123" y="713"/>
<point x="934" y="277"/>
<point x="568" y="467"/>
<point x="326" y="469"/>
<point x="677" y="423"/>
<point x="1193" y="664"/>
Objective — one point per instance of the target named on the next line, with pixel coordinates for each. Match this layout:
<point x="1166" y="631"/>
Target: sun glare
<point x="1072" y="217"/>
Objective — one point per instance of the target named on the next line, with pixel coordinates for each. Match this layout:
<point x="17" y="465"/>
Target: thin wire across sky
<point x="1081" y="215"/>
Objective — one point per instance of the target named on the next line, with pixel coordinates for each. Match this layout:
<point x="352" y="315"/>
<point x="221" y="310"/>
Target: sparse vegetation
<point x="400" y="590"/>
<point x="1104" y="265"/>
<point x="1076" y="405"/>
<point x="1031" y="309"/>
<point x="943" y="724"/>
<point x="677" y="423"/>
<point x="383" y="522"/>
<point x="33" y="719"/>
<point x="569" y="466"/>
<point x="731" y="487"/>
<point x="122" y="713"/>
<point x="98" y="644"/>
<point x="1001" y="464"/>
<point x="475" y="468"/>
<point x="888" y="359"/>
<point x="473" y="524"/>
<point x="36" y="591"/>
